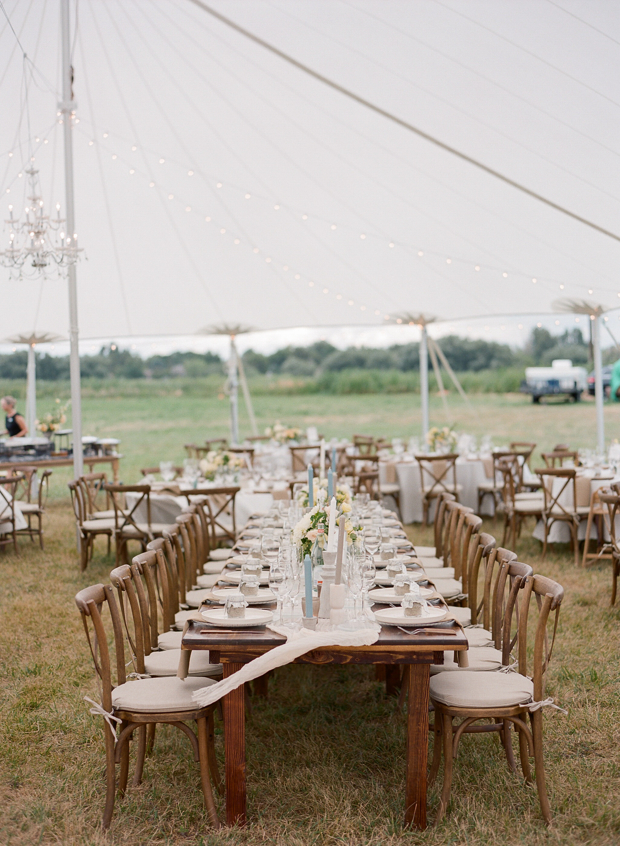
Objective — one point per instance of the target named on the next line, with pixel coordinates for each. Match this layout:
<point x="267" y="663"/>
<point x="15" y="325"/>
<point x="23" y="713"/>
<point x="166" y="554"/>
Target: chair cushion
<point x="430" y="560"/>
<point x="166" y="663"/>
<point x="529" y="506"/>
<point x="481" y="659"/>
<point x="489" y="486"/>
<point x="425" y="551"/>
<point x="212" y="568"/>
<point x="388" y="488"/>
<point x="220" y="554"/>
<point x="98" y="525"/>
<point x="208" y="581"/>
<point x="481" y="690"/>
<point x="153" y="696"/>
<point x="29" y="508"/>
<point x="181" y="617"/>
<point x="447" y="587"/>
<point x="194" y="598"/>
<point x="463" y="615"/>
<point x="530" y="496"/>
<point x="437" y="572"/>
<point x="476" y="636"/>
<point x="141" y="529"/>
<point x="170" y="640"/>
<point x="103" y="515"/>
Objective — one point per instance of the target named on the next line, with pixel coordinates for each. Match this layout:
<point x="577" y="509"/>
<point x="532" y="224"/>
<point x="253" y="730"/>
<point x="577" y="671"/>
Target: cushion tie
<point x="545" y="703"/>
<point x="108" y="716"/>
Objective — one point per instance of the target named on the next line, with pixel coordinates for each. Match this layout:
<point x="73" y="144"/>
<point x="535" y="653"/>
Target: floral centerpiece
<point x="221" y="461"/>
<point x="306" y="531"/>
<point x="283" y="434"/>
<point x="442" y="440"/>
<point x="342" y="494"/>
<point x="53" y="420"/>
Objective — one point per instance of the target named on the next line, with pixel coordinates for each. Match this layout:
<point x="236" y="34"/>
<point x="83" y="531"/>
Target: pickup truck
<point x="561" y="379"/>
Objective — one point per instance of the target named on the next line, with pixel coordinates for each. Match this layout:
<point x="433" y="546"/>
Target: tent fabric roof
<point x="217" y="185"/>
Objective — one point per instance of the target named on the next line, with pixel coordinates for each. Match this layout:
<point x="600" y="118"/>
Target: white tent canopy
<point x="296" y="193"/>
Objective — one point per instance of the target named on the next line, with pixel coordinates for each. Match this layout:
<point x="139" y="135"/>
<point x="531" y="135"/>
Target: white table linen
<point x="6" y="526"/>
<point x="560" y="531"/>
<point x="469" y="474"/>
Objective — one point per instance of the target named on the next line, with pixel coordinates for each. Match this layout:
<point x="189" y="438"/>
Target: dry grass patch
<point x="325" y="751"/>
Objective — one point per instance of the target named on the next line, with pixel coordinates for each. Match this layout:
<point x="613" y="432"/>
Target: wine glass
<point x="270" y="548"/>
<point x="368" y="572"/>
<point x="166" y="468"/>
<point x="276" y="585"/>
<point x="372" y="540"/>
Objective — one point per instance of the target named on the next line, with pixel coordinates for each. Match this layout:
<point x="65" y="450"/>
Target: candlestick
<point x="310" y="486"/>
<point x="341" y="534"/>
<point x="330" y="483"/>
<point x="334" y="459"/>
<point x="322" y="460"/>
<point x="331" y="537"/>
<point x="308" y="582"/>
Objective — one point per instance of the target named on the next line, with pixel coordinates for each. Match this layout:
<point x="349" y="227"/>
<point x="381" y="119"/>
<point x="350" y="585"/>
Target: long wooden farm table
<point x="393" y="648"/>
<point x="89" y="461"/>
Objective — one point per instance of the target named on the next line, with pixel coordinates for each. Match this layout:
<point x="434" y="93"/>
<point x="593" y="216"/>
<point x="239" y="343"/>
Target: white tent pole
<point x="246" y="391"/>
<point x="233" y="388"/>
<point x="598" y="384"/>
<point x="424" y="380"/>
<point x="67" y="107"/>
<point x="31" y="391"/>
<point x="437" y="371"/>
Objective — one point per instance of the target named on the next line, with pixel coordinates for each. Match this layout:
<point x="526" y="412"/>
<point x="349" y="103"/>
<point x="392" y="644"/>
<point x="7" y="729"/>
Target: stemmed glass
<point x="276" y="585"/>
<point x="372" y="540"/>
<point x="166" y="468"/>
<point x="368" y="571"/>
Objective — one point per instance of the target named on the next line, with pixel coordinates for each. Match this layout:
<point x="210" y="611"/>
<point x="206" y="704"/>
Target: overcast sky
<point x="257" y="195"/>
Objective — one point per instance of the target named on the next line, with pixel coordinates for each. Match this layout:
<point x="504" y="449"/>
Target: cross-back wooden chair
<point x="561" y="503"/>
<point x="9" y="486"/>
<point x="93" y="486"/>
<point x="87" y="529"/>
<point x="220" y="506"/>
<point x="558" y="457"/>
<point x="28" y="484"/>
<point x="596" y="519"/>
<point x="364" y="444"/>
<point x="524" y="448"/>
<point x="34" y="509"/>
<point x="504" y="698"/>
<point x="611" y="500"/>
<point x="435" y="474"/>
<point x="302" y="455"/>
<point x="127" y="525"/>
<point x="127" y="706"/>
<point x="516" y="510"/>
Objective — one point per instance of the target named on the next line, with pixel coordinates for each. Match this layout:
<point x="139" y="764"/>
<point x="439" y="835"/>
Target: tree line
<point x="464" y="355"/>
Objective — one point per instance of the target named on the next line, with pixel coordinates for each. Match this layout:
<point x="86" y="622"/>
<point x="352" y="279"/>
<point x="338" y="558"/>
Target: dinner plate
<point x="396" y="617"/>
<point x="237" y="560"/>
<point x="387" y="595"/>
<point x="382" y="577"/>
<point x="404" y="559"/>
<point x="390" y="521"/>
<point x="234" y="576"/>
<point x="253" y="617"/>
<point x="402" y="542"/>
<point x="264" y="595"/>
<point x="248" y="544"/>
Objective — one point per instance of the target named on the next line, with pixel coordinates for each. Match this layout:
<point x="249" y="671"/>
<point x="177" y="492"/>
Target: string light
<point x="161" y="161"/>
<point x="248" y="196"/>
<point x="333" y="226"/>
<point x="190" y="172"/>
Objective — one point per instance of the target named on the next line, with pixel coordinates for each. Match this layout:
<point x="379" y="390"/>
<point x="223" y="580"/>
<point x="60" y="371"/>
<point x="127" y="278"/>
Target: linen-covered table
<point x="165" y="507"/>
<point x="469" y="474"/>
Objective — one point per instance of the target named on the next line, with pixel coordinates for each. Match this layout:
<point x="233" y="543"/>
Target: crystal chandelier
<point x="38" y="243"/>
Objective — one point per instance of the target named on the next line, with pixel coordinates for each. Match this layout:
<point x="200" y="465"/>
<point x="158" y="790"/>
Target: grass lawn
<point x="155" y="427"/>
<point x="326" y="749"/>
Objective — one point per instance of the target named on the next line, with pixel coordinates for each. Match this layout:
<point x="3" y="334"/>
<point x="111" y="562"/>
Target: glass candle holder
<point x="236" y="605"/>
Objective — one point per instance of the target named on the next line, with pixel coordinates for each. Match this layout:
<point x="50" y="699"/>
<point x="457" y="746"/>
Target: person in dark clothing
<point x="14" y="421"/>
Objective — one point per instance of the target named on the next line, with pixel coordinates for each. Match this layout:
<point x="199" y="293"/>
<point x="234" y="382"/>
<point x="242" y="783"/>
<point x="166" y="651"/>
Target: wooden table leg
<point x="417" y="745"/>
<point x="233" y="705"/>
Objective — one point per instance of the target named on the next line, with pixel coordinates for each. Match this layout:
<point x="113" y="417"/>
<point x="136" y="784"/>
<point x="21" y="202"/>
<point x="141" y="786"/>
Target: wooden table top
<point x="205" y="636"/>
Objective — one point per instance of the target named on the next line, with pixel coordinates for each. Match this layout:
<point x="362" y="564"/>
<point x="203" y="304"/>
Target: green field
<point x="154" y="420"/>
